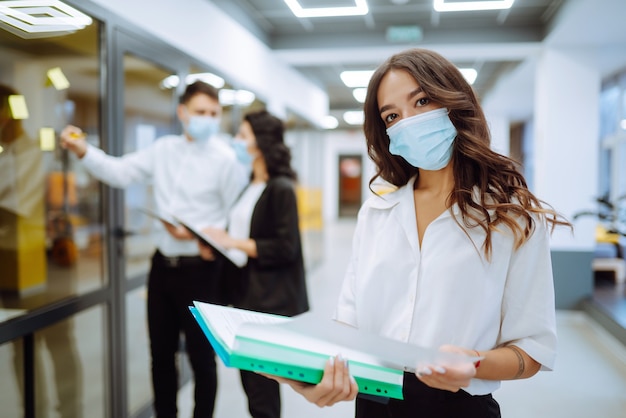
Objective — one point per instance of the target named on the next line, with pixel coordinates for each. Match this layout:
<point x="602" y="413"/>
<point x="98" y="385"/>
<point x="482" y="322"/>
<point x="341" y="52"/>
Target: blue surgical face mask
<point x="241" y="151"/>
<point x="425" y="140"/>
<point x="201" y="128"/>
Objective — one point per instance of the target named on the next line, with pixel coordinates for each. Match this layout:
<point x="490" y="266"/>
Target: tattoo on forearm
<point x="521" y="363"/>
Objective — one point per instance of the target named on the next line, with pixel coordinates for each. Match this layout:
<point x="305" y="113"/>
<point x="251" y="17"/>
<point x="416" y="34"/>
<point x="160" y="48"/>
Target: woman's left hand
<point x="450" y="377"/>
<point x="337" y="385"/>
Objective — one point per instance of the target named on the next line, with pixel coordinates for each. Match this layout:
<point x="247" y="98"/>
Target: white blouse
<point x="241" y="216"/>
<point x="446" y="292"/>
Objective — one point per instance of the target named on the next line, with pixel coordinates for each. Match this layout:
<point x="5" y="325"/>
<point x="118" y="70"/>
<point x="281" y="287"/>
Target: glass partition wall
<point x="74" y="253"/>
<point x="51" y="228"/>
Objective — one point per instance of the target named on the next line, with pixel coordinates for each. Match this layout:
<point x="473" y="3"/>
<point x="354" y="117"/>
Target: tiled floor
<point x="589" y="380"/>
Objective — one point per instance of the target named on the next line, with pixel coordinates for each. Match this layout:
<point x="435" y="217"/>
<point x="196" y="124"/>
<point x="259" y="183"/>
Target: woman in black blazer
<point x="263" y="226"/>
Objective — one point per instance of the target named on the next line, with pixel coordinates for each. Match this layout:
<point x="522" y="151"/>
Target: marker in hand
<point x="77" y="135"/>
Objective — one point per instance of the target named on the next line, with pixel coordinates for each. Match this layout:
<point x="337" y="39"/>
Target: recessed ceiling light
<point x="354" y="117"/>
<point x="463" y="6"/>
<point x="230" y="97"/>
<point x="210" y="78"/>
<point x="356" y="78"/>
<point x="41" y="18"/>
<point x="359" y="9"/>
<point x="329" y="122"/>
<point x="172" y="81"/>
<point x="359" y="94"/>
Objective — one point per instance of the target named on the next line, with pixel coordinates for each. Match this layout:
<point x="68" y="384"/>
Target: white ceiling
<point x="494" y="42"/>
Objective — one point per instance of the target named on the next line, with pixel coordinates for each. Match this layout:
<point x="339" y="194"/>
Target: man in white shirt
<point x="195" y="177"/>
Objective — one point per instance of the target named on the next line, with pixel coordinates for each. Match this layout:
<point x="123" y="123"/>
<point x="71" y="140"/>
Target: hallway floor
<point x="589" y="380"/>
<point x="611" y="297"/>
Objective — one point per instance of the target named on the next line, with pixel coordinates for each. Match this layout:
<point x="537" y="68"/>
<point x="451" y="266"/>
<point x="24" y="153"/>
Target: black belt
<point x="179" y="260"/>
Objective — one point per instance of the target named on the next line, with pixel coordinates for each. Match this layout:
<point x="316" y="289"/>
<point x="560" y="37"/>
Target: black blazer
<point x="274" y="281"/>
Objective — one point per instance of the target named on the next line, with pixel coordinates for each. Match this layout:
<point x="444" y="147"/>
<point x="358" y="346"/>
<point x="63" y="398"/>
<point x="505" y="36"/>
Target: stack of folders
<point x="299" y="347"/>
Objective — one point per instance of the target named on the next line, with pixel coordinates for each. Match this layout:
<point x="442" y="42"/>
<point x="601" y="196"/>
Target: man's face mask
<point x="201" y="128"/>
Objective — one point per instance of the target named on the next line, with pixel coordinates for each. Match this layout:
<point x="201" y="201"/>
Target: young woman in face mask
<point x="457" y="257"/>
<point x="263" y="227"/>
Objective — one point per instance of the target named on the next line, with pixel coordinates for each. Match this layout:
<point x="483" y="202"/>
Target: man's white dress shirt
<point x="197" y="182"/>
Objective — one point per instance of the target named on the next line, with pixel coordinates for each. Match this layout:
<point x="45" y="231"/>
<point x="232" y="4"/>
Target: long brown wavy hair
<point x="502" y="188"/>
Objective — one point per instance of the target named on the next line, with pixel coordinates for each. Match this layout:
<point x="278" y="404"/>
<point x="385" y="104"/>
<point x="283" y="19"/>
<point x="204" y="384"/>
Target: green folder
<point x="264" y="343"/>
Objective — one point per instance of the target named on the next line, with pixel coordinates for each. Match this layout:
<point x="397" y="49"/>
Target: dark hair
<point x="199" y="87"/>
<point x="269" y="133"/>
<point x="502" y="188"/>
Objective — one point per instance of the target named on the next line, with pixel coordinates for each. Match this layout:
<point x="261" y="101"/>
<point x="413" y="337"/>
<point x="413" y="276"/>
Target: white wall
<point x="203" y="31"/>
<point x="499" y="126"/>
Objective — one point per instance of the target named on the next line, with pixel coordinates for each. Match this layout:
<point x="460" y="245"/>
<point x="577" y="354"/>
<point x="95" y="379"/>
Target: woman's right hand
<point x="336" y="385"/>
<point x="73" y="139"/>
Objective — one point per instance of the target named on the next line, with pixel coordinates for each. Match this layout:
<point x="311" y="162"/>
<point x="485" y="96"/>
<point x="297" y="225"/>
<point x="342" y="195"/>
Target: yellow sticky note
<point x="58" y="79"/>
<point x="17" y="104"/>
<point x="47" y="139"/>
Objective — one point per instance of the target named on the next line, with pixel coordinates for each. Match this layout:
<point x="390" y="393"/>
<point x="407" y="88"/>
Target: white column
<point x="567" y="93"/>
<point x="500" y="129"/>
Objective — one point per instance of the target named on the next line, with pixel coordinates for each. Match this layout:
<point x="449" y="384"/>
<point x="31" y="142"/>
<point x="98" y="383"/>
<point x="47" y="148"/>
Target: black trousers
<point x="263" y="395"/>
<point x="421" y="401"/>
<point x="173" y="285"/>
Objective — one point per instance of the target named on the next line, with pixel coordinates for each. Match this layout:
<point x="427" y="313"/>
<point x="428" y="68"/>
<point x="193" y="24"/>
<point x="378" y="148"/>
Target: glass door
<point x="149" y="113"/>
<point x="350" y="180"/>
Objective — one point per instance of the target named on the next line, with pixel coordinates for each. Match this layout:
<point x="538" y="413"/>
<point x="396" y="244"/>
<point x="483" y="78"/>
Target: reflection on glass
<point x="69" y="370"/>
<point x="22" y="231"/>
<point x="139" y="389"/>
<point x="148" y="115"/>
<point x="9" y="389"/>
<point x="50" y="220"/>
<point x="609" y="110"/>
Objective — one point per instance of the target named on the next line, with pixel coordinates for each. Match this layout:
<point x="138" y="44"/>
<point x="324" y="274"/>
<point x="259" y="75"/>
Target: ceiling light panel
<point x="354" y="117"/>
<point x="356" y="78"/>
<point x="40" y="18"/>
<point x="464" y="6"/>
<point x="359" y="9"/>
<point x="359" y="94"/>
